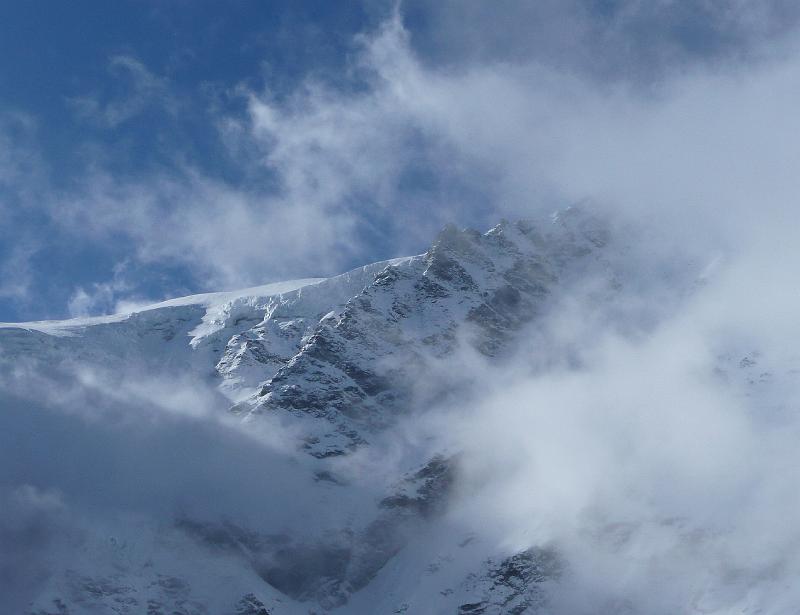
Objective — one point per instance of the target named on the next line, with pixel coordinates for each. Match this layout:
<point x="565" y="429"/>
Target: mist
<point x="91" y="456"/>
<point x="650" y="439"/>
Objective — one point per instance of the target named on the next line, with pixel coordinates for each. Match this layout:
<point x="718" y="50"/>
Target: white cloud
<point x="111" y="297"/>
<point x="16" y="271"/>
<point x="374" y="170"/>
<point x="656" y="463"/>
<point x="22" y="183"/>
<point x="335" y="176"/>
<point x="142" y="89"/>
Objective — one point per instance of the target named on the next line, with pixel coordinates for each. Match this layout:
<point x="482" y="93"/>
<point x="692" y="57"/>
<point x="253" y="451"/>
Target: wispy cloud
<point x="662" y="454"/>
<point x="140" y="88"/>
<point x="331" y="176"/>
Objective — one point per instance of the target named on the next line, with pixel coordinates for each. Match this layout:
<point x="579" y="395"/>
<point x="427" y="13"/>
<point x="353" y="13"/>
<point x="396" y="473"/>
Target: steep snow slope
<point x="211" y="301"/>
<point x="189" y="333"/>
<point x="344" y="511"/>
<point x="361" y="368"/>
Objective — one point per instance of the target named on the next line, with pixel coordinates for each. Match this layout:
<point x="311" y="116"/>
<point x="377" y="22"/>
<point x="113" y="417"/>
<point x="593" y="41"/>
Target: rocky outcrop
<point x="360" y="370"/>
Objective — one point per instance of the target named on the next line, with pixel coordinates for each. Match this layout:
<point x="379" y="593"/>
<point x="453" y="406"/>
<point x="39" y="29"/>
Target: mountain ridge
<point x="334" y="369"/>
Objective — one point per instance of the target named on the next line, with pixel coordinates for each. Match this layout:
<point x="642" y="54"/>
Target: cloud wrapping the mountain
<point x="657" y="460"/>
<point x="657" y="474"/>
<point x="706" y="150"/>
<point x="89" y="455"/>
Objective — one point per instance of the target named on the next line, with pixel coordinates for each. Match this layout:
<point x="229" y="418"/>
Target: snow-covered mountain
<point x="351" y="503"/>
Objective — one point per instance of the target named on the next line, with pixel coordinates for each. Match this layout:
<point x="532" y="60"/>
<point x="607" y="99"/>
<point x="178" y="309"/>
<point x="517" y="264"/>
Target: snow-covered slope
<point x="360" y="368"/>
<point x="349" y="510"/>
<point x="195" y="332"/>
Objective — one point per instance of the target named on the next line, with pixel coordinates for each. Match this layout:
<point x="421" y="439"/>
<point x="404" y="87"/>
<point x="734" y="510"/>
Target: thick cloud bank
<point x="662" y="463"/>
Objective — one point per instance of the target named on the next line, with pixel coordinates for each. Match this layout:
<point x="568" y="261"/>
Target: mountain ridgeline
<point x="329" y="375"/>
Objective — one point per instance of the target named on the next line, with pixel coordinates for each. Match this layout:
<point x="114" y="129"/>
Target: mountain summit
<point x="345" y="503"/>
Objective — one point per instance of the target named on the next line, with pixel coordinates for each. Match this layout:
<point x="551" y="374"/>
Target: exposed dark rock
<point x="251" y="605"/>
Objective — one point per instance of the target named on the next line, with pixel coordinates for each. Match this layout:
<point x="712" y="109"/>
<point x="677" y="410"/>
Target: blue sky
<point x="135" y="87"/>
<point x="153" y="149"/>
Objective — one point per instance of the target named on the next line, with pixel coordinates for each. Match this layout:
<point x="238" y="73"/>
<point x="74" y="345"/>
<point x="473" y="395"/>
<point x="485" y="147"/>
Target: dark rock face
<point x="425" y="492"/>
<point x="421" y="496"/>
<point x="251" y="605"/>
<point x="326" y="573"/>
<point x="514" y="585"/>
<point x="359" y="372"/>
